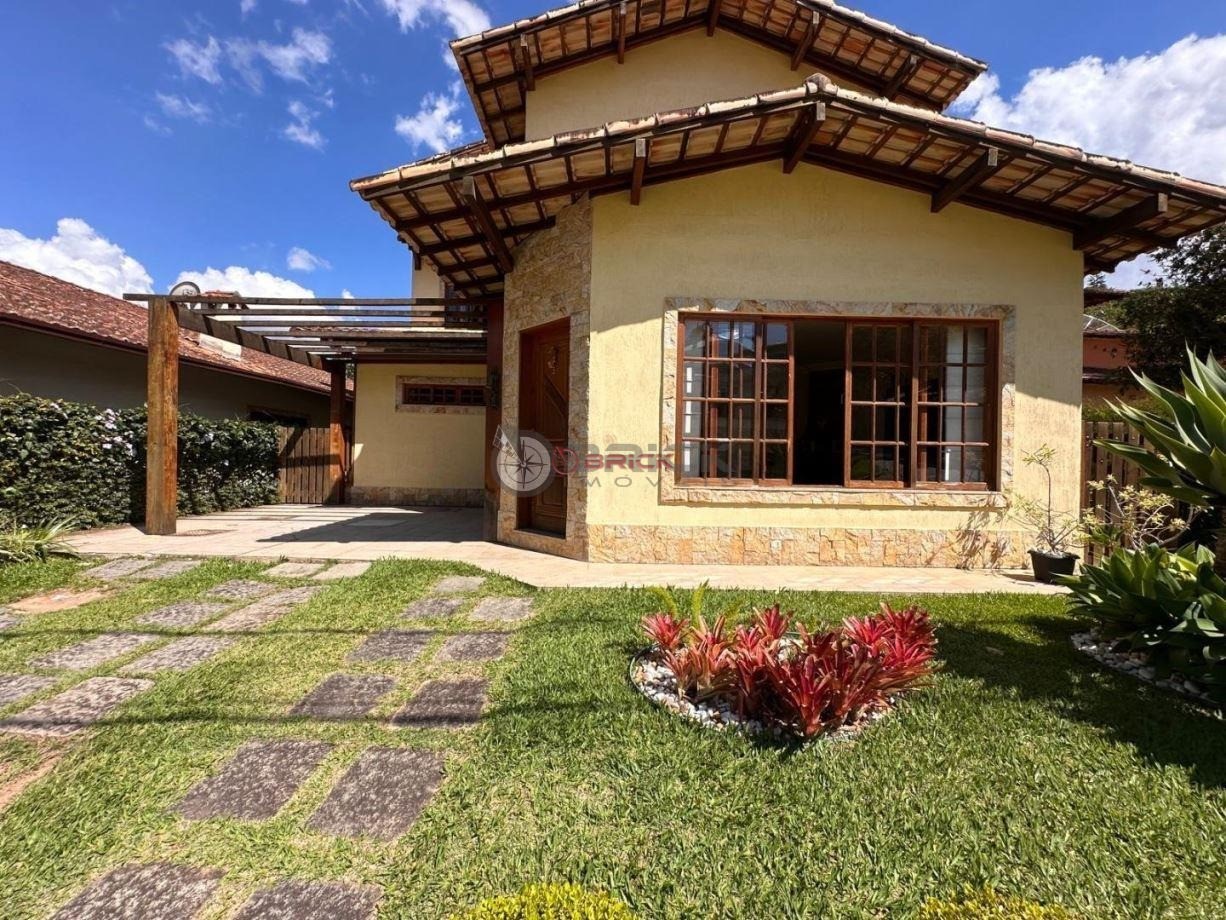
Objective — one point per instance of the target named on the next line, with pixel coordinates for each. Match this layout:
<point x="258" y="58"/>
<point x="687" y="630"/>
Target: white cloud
<point x="182" y="107"/>
<point x="245" y="281"/>
<point x="246" y="6"/>
<point x="346" y="294"/>
<point x="77" y="253"/>
<point x="197" y="60"/>
<point x="1162" y="110"/>
<point x="435" y="126"/>
<point x="303" y="260"/>
<point x="301" y="130"/>
<point x="463" y="17"/>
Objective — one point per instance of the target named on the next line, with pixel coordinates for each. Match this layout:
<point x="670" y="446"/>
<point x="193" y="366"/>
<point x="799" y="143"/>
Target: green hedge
<point x="63" y="460"/>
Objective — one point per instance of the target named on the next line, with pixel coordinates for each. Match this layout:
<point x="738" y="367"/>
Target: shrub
<point x="550" y="902"/>
<point x="1169" y="605"/>
<point x="807" y="683"/>
<point x="67" y="461"/>
<point x="991" y="905"/>
<point x="34" y="544"/>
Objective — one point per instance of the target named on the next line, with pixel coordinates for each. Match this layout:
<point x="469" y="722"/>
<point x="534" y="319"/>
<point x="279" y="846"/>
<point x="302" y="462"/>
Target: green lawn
<point x="1025" y="767"/>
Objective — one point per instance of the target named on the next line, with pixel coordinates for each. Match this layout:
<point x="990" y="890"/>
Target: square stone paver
<point x="180" y="655"/>
<point x="63" y="599"/>
<point x="480" y="646"/>
<point x="118" y="568"/>
<point x="93" y="652"/>
<point x="503" y="609"/>
<point x="343" y="570"/>
<point x="241" y="589"/>
<point x="433" y="608"/>
<point x="264" y="611"/>
<point x="257" y="781"/>
<point x="302" y="900"/>
<point x="156" y="892"/>
<point x="182" y="615"/>
<point x="444" y="704"/>
<point x="392" y="645"/>
<point x="381" y="795"/>
<point x="169" y="569"/>
<point x="16" y="687"/>
<point x="294" y="569"/>
<point x="344" y="696"/>
<point x="458" y="584"/>
<point x="77" y="708"/>
<point x="7" y="620"/>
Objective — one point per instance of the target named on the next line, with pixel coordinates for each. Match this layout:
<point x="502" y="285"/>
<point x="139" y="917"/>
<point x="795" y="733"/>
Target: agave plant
<point x="1185" y="456"/>
<point x="35" y="544"/>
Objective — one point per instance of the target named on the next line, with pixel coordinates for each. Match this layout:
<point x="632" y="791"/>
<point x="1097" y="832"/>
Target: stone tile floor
<point x="352" y="533"/>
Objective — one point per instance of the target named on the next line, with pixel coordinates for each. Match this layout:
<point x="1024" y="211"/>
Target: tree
<point x="1186" y="306"/>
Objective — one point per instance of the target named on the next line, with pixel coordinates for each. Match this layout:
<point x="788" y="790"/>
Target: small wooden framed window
<point x="955" y="408"/>
<point x="878" y="425"/>
<point x="438" y="394"/>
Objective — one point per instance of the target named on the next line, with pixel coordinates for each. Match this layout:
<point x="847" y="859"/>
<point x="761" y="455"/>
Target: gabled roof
<point x="40" y="302"/>
<point x="500" y="66"/>
<point x="464" y="214"/>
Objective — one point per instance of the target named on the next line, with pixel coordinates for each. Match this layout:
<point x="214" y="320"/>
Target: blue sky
<point x="222" y="134"/>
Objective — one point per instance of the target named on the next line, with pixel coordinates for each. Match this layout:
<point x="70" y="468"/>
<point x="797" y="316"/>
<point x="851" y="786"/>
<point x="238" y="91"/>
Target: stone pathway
<point x="381" y="795"/>
<point x="75" y="709"/>
<point x="444" y="704"/>
<point x="503" y="609"/>
<point x="168" y="569"/>
<point x="294" y="569"/>
<point x="303" y="900"/>
<point x="344" y="696"/>
<point x="343" y="570"/>
<point x="240" y="589"/>
<point x="180" y="655"/>
<point x="392" y="645"/>
<point x="119" y="568"/>
<point x="257" y="782"/>
<point x="93" y="652"/>
<point x="7" y="620"/>
<point x="458" y="584"/>
<point x="264" y="611"/>
<point x="62" y="599"/>
<point x="478" y="646"/>
<point x="182" y="615"/>
<point x="16" y="687"/>
<point x="433" y="608"/>
<point x="157" y="892"/>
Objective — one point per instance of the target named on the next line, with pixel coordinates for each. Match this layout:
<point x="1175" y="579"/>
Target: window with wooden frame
<point x="775" y="401"/>
<point x="439" y="394"/>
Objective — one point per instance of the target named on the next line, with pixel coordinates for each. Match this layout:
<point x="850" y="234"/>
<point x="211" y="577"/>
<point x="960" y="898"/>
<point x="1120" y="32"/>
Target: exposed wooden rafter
<point x="806" y="43"/>
<point x="807" y="125"/>
<point x="493" y="236"/>
<point x="523" y="63"/>
<point x="621" y="32"/>
<point x="987" y="163"/>
<point x="1123" y="222"/>
<point x="639" y="170"/>
<point x="712" y="15"/>
<point x="905" y="72"/>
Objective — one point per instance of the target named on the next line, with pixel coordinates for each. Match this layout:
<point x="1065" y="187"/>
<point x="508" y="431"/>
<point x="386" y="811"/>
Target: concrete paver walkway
<point x="312" y="532"/>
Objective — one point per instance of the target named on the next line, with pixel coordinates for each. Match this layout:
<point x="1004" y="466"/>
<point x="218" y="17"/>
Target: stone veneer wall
<point x="551" y="281"/>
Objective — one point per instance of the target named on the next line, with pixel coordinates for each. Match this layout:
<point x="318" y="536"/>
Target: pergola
<point x="326" y="334"/>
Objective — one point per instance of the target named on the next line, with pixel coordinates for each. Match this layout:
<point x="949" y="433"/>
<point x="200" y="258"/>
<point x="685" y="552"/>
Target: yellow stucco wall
<point x="403" y="450"/>
<point x="682" y="70"/>
<point x="819" y="235"/>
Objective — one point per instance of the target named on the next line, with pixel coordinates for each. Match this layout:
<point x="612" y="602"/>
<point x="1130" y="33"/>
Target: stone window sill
<point x="823" y="496"/>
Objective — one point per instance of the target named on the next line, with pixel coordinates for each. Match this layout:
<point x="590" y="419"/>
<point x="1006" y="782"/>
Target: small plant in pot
<point x="1054" y="530"/>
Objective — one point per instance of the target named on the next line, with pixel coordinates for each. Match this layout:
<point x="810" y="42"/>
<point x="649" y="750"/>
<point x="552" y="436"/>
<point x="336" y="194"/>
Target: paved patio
<point x="314" y="532"/>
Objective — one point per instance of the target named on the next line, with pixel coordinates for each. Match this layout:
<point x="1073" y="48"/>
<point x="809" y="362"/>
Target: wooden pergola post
<point x="336" y="435"/>
<point x="493" y="416"/>
<point x="162" y="442"/>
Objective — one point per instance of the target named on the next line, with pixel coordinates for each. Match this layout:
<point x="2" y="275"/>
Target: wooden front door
<point x="544" y="408"/>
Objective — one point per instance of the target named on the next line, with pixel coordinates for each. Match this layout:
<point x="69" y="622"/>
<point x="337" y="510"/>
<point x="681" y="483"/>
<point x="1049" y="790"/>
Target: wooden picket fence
<point x="305" y="464"/>
<point x="1098" y="463"/>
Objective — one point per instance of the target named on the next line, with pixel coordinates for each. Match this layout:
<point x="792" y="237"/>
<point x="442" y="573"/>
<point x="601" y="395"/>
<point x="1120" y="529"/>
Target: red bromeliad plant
<point x="807" y="683"/>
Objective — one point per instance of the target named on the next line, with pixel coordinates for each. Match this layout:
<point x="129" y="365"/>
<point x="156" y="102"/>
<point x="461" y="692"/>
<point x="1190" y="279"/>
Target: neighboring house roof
<point x="40" y="302"/>
<point x="1093" y="325"/>
<point x="463" y="213"/>
<point x="499" y="66"/>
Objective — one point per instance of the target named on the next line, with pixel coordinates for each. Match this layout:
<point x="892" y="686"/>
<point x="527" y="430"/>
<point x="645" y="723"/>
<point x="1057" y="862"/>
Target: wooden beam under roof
<point x="621" y="32"/>
<point x="987" y="163"/>
<point x="489" y="230"/>
<point x="712" y="15"/>
<point x="639" y="170"/>
<point x="1123" y="222"/>
<point x="805" y="130"/>
<point x="522" y="55"/>
<point x="806" y="43"/>
<point x="906" y="71"/>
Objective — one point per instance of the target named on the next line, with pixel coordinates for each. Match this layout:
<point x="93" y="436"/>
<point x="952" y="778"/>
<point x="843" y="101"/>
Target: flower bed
<point x="778" y="678"/>
<point x="1115" y="655"/>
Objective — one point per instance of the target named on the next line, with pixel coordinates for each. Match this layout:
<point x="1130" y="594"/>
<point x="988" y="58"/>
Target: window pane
<point x="742" y="460"/>
<point x="720" y="416"/>
<point x="952" y="377"/>
<point x="976" y="345"/>
<point x="861" y="463"/>
<point x="929" y="424"/>
<point x="932" y="344"/>
<point x="776" y="381"/>
<point x="742" y="420"/>
<point x="885" y="464"/>
<point x="927" y="459"/>
<point x="887" y="385"/>
<point x="721" y="381"/>
<point x="721" y="332"/>
<point x="973" y="429"/>
<point x="694" y="382"/>
<point x="976" y="388"/>
<point x="954" y="352"/>
<point x="887" y="343"/>
<point x="862" y="384"/>
<point x="887" y="424"/>
<point x="976" y="465"/>
<point x="951" y="464"/>
<point x="775" y="426"/>
<point x="720" y="460"/>
<point x="861" y="423"/>
<point x="775" y="461"/>
<point x="951" y="428"/>
<point x="692" y="459"/>
<point x="691" y="420"/>
<point x="695" y="339"/>
<point x="743" y="340"/>
<point x="742" y="380"/>
<point x="862" y="343"/>
<point x="930" y="384"/>
<point x="776" y="340"/>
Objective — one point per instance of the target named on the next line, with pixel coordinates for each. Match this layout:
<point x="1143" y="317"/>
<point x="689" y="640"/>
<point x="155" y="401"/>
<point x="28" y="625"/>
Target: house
<point x="733" y="272"/>
<point x="62" y="341"/>
<point x="1105" y="356"/>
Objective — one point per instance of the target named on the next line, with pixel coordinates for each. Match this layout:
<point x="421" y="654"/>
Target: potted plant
<point x="1054" y="530"/>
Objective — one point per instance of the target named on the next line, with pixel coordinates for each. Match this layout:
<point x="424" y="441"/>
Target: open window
<point x="813" y="401"/>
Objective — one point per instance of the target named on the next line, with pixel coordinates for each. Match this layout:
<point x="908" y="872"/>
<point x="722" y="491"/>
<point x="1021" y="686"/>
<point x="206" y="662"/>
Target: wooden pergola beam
<point x="162" y="439"/>
<point x="983" y="167"/>
<point x="621" y="33"/>
<point x="807" y="126"/>
<point x="638" y="171"/>
<point x="1123" y="222"/>
<point x="806" y="43"/>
